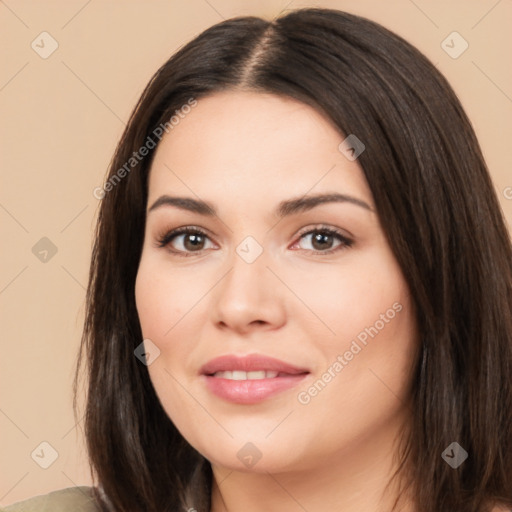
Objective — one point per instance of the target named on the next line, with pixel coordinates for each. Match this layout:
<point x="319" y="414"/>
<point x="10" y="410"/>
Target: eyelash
<point x="168" y="237"/>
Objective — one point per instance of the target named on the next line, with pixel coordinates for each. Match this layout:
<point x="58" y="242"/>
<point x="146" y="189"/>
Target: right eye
<point x="192" y="240"/>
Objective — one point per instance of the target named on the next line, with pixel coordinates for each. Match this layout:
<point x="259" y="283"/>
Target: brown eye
<point x="189" y="240"/>
<point x="184" y="240"/>
<point x="323" y="240"/>
<point x="193" y="241"/>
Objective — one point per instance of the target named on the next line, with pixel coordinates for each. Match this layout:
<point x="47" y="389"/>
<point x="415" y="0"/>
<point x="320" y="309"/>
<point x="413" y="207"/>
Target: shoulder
<point x="71" y="499"/>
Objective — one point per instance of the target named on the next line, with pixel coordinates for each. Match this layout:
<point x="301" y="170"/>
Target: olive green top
<point x="71" y="499"/>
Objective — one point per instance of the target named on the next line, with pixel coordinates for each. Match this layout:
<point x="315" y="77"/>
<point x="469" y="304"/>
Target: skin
<point x="245" y="152"/>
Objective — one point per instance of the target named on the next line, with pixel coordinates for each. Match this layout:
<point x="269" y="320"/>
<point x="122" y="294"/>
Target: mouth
<point x="254" y="375"/>
<point x="250" y="379"/>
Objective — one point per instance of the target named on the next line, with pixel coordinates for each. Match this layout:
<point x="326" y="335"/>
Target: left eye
<point x="323" y="238"/>
<point x="193" y="240"/>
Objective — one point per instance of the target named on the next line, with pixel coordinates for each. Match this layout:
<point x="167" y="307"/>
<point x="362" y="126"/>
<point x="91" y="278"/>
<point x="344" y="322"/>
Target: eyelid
<point x="326" y="227"/>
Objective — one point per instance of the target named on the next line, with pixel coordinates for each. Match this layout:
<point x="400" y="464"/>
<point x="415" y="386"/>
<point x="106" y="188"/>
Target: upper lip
<point x="248" y="363"/>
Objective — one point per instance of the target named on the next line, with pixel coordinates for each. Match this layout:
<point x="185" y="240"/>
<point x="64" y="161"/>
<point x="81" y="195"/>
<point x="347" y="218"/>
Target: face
<point x="284" y="326"/>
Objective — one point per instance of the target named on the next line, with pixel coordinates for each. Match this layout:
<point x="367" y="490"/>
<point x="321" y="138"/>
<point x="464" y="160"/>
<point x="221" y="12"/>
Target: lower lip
<point x="251" y="391"/>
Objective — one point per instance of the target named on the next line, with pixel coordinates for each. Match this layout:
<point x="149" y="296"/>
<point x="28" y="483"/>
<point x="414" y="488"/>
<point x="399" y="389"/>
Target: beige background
<point x="61" y="118"/>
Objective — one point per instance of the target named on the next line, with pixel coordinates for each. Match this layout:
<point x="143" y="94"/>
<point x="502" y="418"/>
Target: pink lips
<point x="255" y="390"/>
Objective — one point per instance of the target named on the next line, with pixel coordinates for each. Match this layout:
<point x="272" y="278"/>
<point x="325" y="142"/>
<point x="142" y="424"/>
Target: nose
<point x="249" y="296"/>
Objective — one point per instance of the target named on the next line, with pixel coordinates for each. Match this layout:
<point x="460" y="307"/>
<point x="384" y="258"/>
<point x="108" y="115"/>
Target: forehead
<point x="246" y="144"/>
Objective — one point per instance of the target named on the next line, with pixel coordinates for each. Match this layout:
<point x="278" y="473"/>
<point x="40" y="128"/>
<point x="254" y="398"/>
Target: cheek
<point x="360" y="390"/>
<point x="368" y="342"/>
<point x="163" y="298"/>
<point x="344" y="300"/>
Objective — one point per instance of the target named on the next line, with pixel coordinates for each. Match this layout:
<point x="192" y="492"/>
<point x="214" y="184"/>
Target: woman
<point x="342" y="338"/>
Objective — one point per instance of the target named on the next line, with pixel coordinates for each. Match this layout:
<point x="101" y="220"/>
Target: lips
<point x="250" y="363"/>
<point x="250" y="379"/>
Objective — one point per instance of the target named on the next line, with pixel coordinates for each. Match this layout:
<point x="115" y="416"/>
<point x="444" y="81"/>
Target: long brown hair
<point x="437" y="207"/>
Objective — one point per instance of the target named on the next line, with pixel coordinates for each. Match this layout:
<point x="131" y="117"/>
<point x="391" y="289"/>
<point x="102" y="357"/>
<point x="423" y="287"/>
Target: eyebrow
<point x="284" y="208"/>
